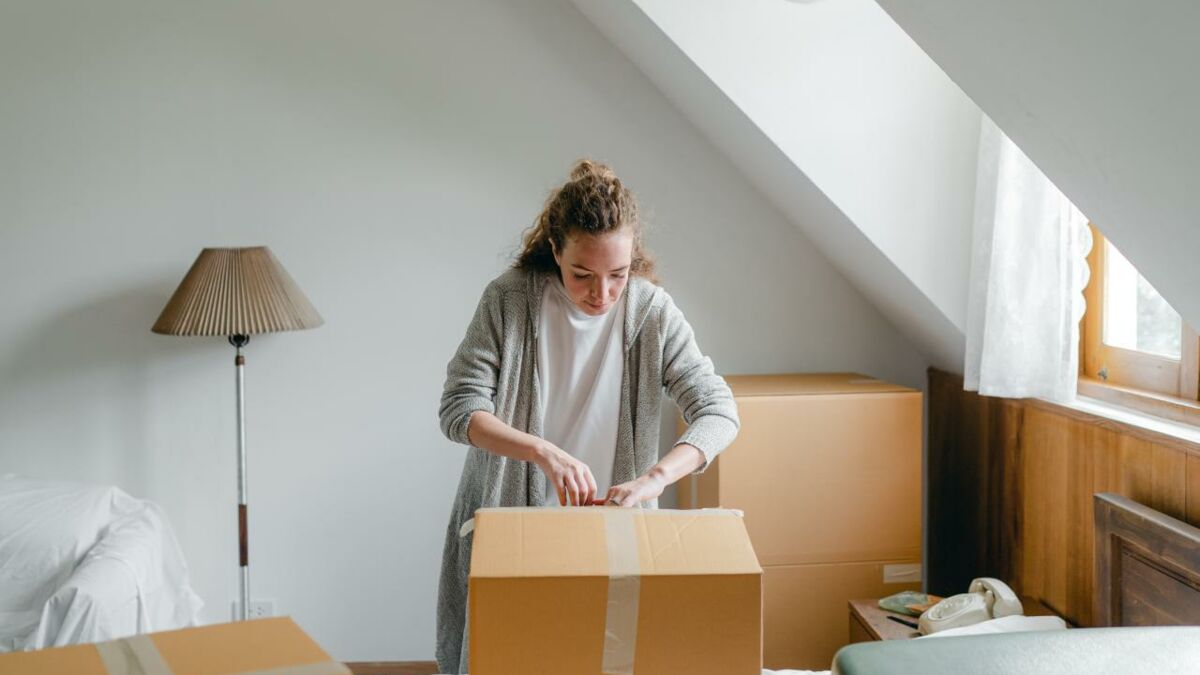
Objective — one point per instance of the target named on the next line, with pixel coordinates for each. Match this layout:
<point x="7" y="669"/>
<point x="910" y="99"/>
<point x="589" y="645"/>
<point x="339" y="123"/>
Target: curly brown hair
<point x="593" y="201"/>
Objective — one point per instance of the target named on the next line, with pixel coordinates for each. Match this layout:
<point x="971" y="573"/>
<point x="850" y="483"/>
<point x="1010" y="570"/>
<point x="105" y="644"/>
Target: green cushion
<point x="1091" y="651"/>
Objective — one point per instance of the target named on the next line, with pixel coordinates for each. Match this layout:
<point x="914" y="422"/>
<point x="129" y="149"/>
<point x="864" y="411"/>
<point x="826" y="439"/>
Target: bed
<point x="85" y="563"/>
<point x="1147" y="566"/>
<point x="1147" y="604"/>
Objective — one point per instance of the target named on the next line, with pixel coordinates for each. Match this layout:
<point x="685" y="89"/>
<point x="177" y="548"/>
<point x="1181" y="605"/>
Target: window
<point x="1134" y="345"/>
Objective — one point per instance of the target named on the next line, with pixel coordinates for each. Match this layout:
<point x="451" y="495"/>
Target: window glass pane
<point x="1135" y="316"/>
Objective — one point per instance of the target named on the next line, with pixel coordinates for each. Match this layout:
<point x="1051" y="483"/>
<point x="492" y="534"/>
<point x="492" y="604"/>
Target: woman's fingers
<point x="617" y="495"/>
<point x="575" y="483"/>
<point x="611" y="496"/>
<point x="590" y="482"/>
<point x="572" y="490"/>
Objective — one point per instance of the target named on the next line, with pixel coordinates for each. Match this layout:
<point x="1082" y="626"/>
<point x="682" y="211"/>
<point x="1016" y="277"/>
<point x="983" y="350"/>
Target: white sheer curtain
<point x="1028" y="271"/>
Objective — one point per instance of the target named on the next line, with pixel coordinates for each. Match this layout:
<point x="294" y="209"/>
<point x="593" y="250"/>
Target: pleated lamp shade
<point x="236" y="291"/>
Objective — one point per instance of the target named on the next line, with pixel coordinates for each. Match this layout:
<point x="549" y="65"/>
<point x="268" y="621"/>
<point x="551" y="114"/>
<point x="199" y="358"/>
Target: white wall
<point x="857" y="105"/>
<point x="1103" y="96"/>
<point x="389" y="153"/>
<point x="845" y="123"/>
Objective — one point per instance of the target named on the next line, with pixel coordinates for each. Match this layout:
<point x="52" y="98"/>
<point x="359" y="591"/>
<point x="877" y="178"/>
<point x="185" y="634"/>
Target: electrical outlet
<point x="896" y="574"/>
<point x="259" y="609"/>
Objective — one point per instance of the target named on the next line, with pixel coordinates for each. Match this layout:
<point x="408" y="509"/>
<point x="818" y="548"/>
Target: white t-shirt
<point x="580" y="365"/>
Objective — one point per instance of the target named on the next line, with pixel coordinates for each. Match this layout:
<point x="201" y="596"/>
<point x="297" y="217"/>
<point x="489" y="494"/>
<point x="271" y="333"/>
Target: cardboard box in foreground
<point x="274" y="645"/>
<point x="602" y="589"/>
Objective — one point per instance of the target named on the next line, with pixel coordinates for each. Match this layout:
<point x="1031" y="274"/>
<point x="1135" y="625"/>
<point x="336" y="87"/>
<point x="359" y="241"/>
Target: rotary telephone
<point x="986" y="598"/>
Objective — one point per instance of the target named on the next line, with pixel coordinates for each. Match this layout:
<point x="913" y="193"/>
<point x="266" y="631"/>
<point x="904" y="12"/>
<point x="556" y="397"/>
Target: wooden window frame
<point x="1153" y="384"/>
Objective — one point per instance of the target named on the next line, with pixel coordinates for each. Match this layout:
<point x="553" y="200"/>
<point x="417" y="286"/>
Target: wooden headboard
<point x="1147" y="566"/>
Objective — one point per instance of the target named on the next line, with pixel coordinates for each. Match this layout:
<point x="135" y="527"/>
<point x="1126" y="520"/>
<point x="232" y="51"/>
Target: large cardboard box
<point x="827" y="468"/>
<point x="805" y="613"/>
<point x="274" y="646"/>
<point x="604" y="589"/>
<point x="842" y="447"/>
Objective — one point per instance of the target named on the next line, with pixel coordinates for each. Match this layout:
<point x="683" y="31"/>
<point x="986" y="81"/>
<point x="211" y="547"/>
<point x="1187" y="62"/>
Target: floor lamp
<point x="237" y="292"/>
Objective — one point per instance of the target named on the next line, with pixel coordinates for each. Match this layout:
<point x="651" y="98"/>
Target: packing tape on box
<point x="138" y="655"/>
<point x="624" y="591"/>
<point x="135" y="655"/>
<point x="625" y="586"/>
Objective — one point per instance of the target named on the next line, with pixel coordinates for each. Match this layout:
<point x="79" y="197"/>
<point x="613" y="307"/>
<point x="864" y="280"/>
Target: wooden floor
<point x="392" y="668"/>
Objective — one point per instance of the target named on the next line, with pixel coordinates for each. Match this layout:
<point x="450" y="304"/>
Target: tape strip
<point x="135" y="655"/>
<point x="467" y="528"/>
<point x="624" y="590"/>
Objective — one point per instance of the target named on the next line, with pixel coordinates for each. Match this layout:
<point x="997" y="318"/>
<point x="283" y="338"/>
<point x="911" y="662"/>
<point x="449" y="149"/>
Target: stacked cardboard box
<point x="827" y="469"/>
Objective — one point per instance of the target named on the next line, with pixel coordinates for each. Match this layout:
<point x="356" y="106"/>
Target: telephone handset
<point x="986" y="598"/>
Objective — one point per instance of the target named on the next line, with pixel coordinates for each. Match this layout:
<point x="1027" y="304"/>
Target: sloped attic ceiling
<point x="1104" y="96"/>
<point x="843" y="123"/>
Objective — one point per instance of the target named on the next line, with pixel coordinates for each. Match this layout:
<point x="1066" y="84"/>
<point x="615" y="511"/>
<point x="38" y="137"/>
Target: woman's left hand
<point x="641" y="489"/>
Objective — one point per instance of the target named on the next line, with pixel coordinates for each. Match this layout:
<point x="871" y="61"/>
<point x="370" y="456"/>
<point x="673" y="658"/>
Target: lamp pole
<point x="239" y="362"/>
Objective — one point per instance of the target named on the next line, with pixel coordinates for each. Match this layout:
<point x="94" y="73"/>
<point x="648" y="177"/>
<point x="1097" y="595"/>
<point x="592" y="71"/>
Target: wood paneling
<point x="1192" y="490"/>
<point x="1010" y="485"/>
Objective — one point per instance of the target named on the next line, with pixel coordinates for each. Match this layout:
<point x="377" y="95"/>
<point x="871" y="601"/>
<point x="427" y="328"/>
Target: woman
<point x="557" y="385"/>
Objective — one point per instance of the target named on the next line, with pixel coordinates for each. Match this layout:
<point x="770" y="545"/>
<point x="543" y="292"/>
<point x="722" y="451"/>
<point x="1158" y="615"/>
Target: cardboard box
<point x="805" y="613"/>
<point x="276" y="645"/>
<point x="601" y="589"/>
<point x="827" y="468"/>
<point x="843" y="446"/>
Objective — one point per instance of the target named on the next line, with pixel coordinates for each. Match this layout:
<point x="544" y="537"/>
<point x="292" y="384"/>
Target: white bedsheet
<point x="85" y="563"/>
<point x="1007" y="624"/>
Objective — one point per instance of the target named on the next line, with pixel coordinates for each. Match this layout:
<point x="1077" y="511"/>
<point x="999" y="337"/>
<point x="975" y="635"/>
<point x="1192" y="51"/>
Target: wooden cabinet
<point x="827" y="469"/>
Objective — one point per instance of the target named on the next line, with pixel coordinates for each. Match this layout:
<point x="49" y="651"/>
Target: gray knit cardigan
<point x="495" y="369"/>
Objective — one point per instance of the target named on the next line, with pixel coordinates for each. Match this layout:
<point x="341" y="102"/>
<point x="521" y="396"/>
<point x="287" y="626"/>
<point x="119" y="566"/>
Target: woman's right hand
<point x="571" y="478"/>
